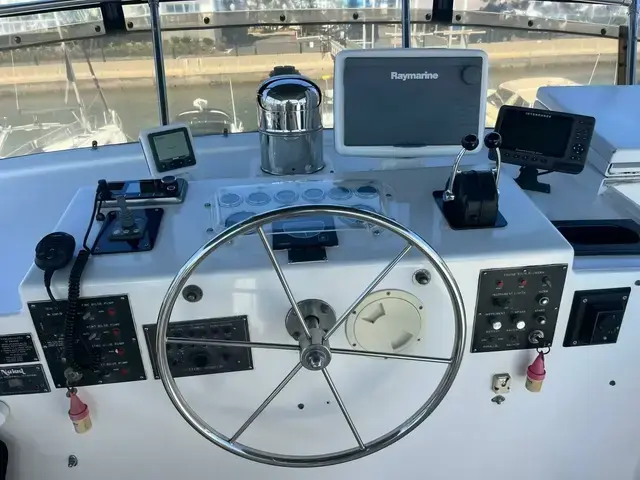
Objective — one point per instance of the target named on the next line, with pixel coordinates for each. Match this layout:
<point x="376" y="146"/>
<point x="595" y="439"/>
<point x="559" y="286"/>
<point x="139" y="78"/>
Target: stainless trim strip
<point x="67" y="33"/>
<point x="517" y="22"/>
<point x="206" y="20"/>
<point x="28" y="8"/>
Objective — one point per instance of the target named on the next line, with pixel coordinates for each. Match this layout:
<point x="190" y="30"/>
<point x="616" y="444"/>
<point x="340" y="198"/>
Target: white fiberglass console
<point x="387" y="359"/>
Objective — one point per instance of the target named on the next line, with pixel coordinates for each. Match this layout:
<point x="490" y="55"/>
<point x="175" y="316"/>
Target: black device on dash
<point x="168" y="149"/>
<point x="471" y="197"/>
<point x="55" y="251"/>
<point x="543" y="139"/>
<point x="168" y="189"/>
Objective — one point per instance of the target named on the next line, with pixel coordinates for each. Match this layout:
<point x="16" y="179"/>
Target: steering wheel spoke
<point x="393" y="356"/>
<point x="214" y="342"/>
<point x="283" y="281"/>
<point x="376" y="281"/>
<point x="343" y="408"/>
<point x="267" y="401"/>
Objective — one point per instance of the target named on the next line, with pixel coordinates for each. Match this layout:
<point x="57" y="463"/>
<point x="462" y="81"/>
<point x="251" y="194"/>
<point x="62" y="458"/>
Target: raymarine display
<point x="409" y="102"/>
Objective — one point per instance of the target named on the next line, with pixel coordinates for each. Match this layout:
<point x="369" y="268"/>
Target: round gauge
<point x="286" y="197"/>
<point x="386" y="321"/>
<point x="313" y="194"/>
<point x="237" y="218"/>
<point x="258" y="198"/>
<point x="230" y="200"/>
<point x="340" y="193"/>
<point x="367" y="191"/>
<point x="355" y="223"/>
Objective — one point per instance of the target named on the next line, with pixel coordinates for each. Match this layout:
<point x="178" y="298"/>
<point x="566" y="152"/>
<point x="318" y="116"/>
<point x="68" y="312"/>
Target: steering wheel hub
<point x="315" y="357"/>
<point x="319" y="318"/>
<point x="315" y="353"/>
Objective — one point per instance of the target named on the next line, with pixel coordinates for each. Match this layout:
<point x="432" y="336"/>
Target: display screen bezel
<point x="529" y="120"/>
<point x="164" y="166"/>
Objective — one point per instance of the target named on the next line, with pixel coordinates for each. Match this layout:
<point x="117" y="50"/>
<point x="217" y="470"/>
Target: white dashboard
<point x="137" y="432"/>
<point x="503" y="342"/>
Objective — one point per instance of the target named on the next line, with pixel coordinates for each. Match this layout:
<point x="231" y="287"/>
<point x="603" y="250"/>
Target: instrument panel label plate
<point x="17" y="348"/>
<point x="22" y="380"/>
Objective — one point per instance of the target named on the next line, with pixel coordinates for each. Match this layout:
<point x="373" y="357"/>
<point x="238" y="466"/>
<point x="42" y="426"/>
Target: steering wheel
<point x="313" y="344"/>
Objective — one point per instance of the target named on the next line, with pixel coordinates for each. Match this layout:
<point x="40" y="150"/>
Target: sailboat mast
<point x="72" y="80"/>
<point x="15" y="85"/>
<point x="233" y="104"/>
<point x="71" y="76"/>
<point x="95" y="78"/>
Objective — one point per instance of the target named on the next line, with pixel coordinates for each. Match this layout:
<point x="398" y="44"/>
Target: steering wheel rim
<point x="230" y="444"/>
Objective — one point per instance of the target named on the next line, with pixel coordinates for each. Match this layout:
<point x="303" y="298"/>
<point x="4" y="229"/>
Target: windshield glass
<point x="67" y="82"/>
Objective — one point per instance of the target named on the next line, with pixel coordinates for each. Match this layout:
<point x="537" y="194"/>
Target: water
<point x="138" y="107"/>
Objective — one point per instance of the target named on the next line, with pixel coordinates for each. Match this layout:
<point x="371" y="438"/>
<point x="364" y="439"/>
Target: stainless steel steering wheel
<point x="315" y="352"/>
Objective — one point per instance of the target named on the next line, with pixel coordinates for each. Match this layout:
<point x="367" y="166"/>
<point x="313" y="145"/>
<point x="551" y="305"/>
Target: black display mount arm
<point x="528" y="180"/>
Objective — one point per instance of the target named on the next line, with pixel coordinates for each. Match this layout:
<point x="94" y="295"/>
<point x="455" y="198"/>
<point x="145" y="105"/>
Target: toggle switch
<point x="543" y="300"/>
<point x="518" y="322"/>
<point x="495" y="323"/>
<point x="502" y="302"/>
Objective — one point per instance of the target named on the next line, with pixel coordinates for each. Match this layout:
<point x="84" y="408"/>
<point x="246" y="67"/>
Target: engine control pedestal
<point x="470" y="199"/>
<point x="135" y="231"/>
<point x="168" y="190"/>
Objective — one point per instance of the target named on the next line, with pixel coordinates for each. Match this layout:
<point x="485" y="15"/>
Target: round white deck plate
<point x="386" y="321"/>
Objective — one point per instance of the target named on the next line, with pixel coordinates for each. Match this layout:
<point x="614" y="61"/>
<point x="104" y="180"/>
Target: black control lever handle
<point x="470" y="142"/>
<point x="493" y="140"/>
<point x="103" y="191"/>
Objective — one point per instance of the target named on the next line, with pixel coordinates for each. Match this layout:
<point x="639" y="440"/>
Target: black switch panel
<point x="106" y="341"/>
<point x="596" y="316"/>
<point x="517" y="308"/>
<point x="191" y="360"/>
